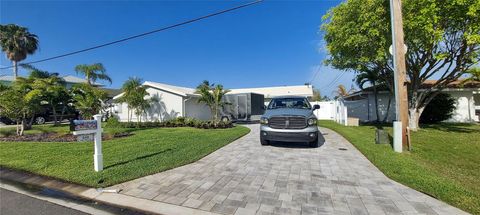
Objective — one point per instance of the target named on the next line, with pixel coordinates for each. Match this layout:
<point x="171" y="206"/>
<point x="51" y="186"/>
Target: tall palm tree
<point x="17" y="42"/>
<point x="93" y="72"/>
<point x="371" y="77"/>
<point x="212" y="96"/>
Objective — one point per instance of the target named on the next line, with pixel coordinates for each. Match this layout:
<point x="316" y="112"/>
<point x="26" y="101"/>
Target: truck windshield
<point x="301" y="103"/>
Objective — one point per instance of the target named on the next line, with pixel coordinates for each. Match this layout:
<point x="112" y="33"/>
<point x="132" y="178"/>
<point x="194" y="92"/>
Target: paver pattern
<point x="285" y="178"/>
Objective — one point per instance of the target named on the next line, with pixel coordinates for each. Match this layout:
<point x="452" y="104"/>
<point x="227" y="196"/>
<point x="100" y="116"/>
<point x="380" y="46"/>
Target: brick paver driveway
<point x="247" y="178"/>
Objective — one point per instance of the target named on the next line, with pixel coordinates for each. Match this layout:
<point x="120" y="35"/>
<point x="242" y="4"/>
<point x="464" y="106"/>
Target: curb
<point x="119" y="200"/>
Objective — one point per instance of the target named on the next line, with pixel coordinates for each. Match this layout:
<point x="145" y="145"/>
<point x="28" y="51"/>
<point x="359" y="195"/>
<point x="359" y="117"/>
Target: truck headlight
<point x="264" y="120"/>
<point x="312" y="121"/>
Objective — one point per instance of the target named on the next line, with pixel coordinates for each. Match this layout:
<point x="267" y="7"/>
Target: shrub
<point x="177" y="122"/>
<point x="112" y="122"/>
<point x="439" y="109"/>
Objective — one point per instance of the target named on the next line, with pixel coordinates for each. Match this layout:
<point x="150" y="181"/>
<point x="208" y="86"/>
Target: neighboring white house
<point x="361" y="104"/>
<point x="175" y="101"/>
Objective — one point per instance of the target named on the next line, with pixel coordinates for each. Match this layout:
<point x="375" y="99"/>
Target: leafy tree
<point x="88" y="99"/>
<point x="443" y="40"/>
<point x="93" y="72"/>
<point x="474" y="75"/>
<point x="212" y="96"/>
<point x="439" y="109"/>
<point x="17" y="104"/>
<point x="17" y="42"/>
<point x="48" y="88"/>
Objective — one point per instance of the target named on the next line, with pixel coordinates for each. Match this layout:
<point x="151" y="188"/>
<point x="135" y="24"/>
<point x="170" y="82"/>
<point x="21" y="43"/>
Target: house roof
<point x="183" y="91"/>
<point x="77" y="80"/>
<point x="268" y="92"/>
<point x="425" y="85"/>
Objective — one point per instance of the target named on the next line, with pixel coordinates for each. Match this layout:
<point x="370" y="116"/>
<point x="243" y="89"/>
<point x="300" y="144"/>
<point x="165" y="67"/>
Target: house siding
<point x="364" y="109"/>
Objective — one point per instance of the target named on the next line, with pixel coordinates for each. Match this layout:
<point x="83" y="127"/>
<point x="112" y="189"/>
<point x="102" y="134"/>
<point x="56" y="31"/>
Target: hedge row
<point x="178" y="122"/>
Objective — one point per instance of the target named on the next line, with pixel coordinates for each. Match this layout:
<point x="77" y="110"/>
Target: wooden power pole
<point x="398" y="52"/>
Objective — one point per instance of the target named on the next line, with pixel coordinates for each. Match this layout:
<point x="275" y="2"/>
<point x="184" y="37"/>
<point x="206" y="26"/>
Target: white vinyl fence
<point x="332" y="110"/>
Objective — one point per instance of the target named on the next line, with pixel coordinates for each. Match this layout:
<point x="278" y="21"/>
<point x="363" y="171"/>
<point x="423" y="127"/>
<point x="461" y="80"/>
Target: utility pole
<point x="401" y="97"/>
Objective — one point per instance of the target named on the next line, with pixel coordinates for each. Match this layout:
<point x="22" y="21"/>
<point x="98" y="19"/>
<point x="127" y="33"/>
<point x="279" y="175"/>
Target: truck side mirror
<point x="315" y="107"/>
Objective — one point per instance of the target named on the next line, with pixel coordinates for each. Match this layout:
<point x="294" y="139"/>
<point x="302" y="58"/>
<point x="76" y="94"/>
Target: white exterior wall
<point x="167" y="107"/>
<point x="365" y="109"/>
<point x="195" y="110"/>
<point x="465" y="107"/>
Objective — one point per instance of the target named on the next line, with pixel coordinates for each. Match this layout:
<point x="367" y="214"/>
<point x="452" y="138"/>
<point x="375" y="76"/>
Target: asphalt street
<point x="12" y="203"/>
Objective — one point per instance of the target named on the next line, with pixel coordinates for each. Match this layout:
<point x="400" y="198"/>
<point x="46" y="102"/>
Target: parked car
<point x="6" y="120"/>
<point x="289" y="118"/>
<point x="46" y="115"/>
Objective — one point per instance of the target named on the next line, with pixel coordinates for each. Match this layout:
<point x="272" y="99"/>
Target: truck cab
<point x="289" y="119"/>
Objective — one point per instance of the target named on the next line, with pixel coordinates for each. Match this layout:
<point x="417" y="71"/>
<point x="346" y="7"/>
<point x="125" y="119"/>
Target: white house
<point x="175" y="101"/>
<point x="361" y="104"/>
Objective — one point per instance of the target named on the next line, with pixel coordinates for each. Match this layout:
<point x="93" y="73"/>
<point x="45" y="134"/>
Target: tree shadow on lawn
<point x="453" y="127"/>
<point x="137" y="158"/>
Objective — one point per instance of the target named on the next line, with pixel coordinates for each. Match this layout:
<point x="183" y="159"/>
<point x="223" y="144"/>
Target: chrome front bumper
<point x="307" y="134"/>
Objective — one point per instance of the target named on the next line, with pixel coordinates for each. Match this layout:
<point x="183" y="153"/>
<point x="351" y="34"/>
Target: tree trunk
<point x="15" y="70"/>
<point x="18" y="128"/>
<point x="22" y="128"/>
<point x="388" y="108"/>
<point x="55" y="121"/>
<point x="375" y="94"/>
<point x="414" y="114"/>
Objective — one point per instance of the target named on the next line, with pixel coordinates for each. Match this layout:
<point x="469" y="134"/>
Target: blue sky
<point x="273" y="43"/>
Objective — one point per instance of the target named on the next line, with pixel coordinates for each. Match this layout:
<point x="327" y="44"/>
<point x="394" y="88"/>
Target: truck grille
<point x="287" y="122"/>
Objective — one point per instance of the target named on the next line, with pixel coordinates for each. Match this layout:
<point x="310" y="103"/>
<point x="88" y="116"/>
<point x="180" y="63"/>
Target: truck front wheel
<point x="313" y="144"/>
<point x="264" y="142"/>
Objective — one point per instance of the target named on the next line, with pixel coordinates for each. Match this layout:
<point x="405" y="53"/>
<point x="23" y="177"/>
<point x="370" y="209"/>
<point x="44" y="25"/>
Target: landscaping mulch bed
<point x="55" y="137"/>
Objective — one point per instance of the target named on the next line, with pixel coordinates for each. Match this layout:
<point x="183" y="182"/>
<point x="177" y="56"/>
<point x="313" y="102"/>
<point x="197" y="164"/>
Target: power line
<point x="315" y="75"/>
<point x="143" y="34"/>
<point x="334" y="80"/>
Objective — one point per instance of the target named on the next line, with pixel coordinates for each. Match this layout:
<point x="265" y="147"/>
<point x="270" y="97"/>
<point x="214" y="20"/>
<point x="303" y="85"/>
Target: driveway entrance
<point x="247" y="178"/>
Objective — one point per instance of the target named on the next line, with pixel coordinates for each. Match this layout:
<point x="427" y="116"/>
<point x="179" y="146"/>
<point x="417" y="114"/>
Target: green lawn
<point x="146" y="152"/>
<point x="444" y="163"/>
<point x="62" y="129"/>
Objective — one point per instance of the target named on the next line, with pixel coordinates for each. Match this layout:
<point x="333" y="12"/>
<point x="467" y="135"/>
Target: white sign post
<point x="89" y="127"/>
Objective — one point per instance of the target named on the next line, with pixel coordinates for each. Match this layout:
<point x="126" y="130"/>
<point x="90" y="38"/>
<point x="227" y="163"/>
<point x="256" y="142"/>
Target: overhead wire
<point x="142" y="34"/>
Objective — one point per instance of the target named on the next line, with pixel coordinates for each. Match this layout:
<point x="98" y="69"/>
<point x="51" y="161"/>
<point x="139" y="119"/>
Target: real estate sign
<point x="88" y="130"/>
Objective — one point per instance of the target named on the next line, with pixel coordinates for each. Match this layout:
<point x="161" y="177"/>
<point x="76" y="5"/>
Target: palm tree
<point x="371" y="77"/>
<point x="341" y="91"/>
<point x="129" y="88"/>
<point x="88" y="100"/>
<point x="212" y="96"/>
<point x="17" y="43"/>
<point x="93" y="72"/>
